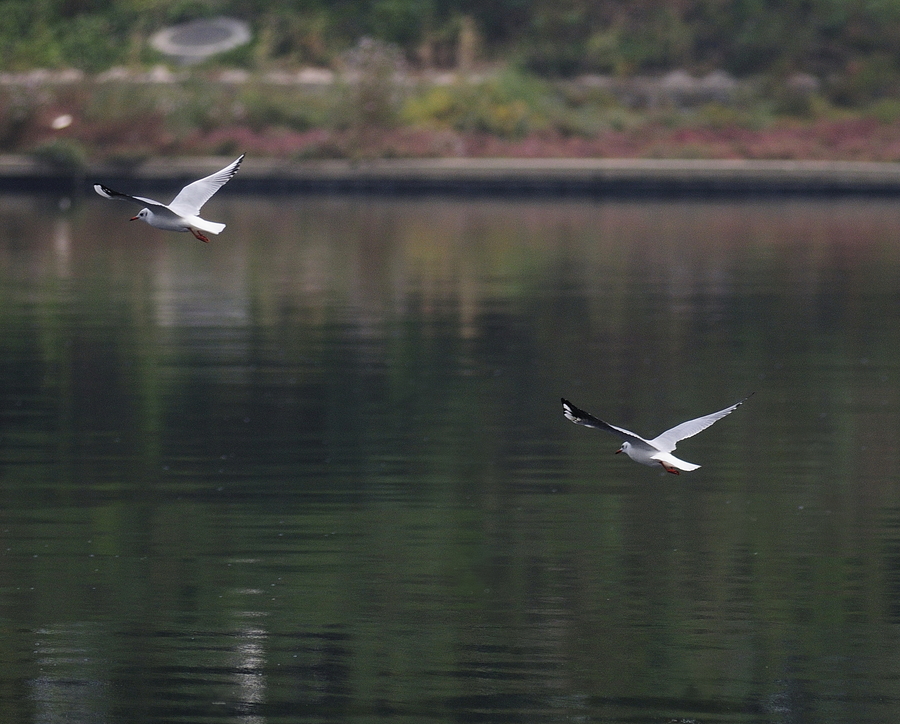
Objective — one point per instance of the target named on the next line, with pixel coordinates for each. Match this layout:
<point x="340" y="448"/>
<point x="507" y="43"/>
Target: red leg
<point x="199" y="235"/>
<point x="669" y="469"/>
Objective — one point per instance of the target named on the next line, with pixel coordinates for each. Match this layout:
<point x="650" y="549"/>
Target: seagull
<point x="183" y="213"/>
<point x="657" y="451"/>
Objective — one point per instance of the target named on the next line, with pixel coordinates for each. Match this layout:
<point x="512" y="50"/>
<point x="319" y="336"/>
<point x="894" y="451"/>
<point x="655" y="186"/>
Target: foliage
<point x="371" y="92"/>
<point x="508" y="105"/>
<point x="851" y="45"/>
<point x="62" y="153"/>
<point x="264" y="106"/>
<point x="504" y="114"/>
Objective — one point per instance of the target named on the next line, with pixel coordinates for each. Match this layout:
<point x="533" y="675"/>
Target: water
<point x="317" y="470"/>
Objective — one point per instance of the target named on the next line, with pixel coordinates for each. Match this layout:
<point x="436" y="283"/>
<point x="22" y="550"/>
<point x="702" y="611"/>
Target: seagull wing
<point x="194" y="195"/>
<point x="107" y="193"/>
<point x="669" y="439"/>
<point x="580" y="417"/>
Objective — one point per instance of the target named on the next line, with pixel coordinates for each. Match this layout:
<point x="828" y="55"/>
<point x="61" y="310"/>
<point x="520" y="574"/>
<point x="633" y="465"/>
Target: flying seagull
<point x="183" y="213"/>
<point x="657" y="451"/>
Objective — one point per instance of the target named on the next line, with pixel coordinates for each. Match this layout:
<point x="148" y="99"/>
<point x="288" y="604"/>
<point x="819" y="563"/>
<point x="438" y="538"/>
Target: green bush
<point x="868" y="78"/>
<point x="61" y="153"/>
<point x="886" y="110"/>
<point x="509" y="105"/>
<point x="262" y="106"/>
<point x="18" y="109"/>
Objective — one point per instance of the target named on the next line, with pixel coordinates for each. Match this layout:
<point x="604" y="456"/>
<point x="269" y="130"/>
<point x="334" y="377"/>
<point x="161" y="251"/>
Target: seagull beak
<point x="134" y="218"/>
<point x="618" y="451"/>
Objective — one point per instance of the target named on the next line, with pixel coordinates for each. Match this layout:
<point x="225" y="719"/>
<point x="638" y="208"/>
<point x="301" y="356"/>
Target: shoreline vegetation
<point x="123" y="117"/>
<point x="360" y="80"/>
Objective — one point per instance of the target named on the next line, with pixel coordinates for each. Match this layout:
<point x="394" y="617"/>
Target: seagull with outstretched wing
<point x="183" y="214"/>
<point x="657" y="451"/>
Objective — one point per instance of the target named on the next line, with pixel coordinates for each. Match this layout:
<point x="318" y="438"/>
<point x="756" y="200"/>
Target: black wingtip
<point x="571" y="412"/>
<point x="105" y="192"/>
<point x="236" y="164"/>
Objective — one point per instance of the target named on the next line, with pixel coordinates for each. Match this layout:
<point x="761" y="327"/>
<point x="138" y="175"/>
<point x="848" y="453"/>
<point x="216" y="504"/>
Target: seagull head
<point x="624" y="448"/>
<point x="143" y="214"/>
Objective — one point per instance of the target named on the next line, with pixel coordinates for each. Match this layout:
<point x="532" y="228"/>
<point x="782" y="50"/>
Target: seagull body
<point x="657" y="451"/>
<point x="183" y="214"/>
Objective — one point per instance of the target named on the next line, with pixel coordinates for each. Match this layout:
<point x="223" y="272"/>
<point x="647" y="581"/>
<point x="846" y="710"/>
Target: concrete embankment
<point x="598" y="177"/>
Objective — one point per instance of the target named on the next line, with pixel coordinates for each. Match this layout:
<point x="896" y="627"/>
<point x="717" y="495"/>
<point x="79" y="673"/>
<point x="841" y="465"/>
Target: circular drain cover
<point x="192" y="42"/>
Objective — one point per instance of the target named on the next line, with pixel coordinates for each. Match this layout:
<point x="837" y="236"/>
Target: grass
<point x="377" y="116"/>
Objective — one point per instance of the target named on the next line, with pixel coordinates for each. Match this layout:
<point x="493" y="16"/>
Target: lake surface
<point x="317" y="470"/>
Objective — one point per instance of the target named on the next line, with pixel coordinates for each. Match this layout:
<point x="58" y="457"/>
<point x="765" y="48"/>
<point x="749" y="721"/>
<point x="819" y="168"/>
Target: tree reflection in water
<point x="316" y="470"/>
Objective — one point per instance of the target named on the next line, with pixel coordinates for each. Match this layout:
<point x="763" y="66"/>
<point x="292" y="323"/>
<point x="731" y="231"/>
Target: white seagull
<point x="183" y="213"/>
<point x="657" y="451"/>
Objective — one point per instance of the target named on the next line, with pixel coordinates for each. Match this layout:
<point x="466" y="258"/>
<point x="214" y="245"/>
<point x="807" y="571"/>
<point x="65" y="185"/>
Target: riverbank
<point x="602" y="177"/>
<point x="123" y="119"/>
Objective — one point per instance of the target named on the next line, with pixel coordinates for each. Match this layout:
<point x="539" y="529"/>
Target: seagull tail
<point x="671" y="461"/>
<point x="210" y="227"/>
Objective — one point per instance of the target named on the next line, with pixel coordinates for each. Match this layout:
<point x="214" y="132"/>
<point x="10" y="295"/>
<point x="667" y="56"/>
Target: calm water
<point x="317" y="470"/>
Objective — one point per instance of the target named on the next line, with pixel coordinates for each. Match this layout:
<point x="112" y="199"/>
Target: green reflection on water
<point x="317" y="469"/>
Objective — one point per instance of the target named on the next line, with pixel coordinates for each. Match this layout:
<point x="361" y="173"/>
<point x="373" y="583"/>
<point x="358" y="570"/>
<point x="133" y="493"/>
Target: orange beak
<point x="134" y="218"/>
<point x="618" y="451"/>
